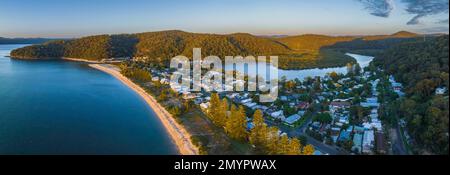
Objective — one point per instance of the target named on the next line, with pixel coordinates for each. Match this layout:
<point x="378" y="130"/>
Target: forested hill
<point x="163" y="45"/>
<point x="422" y="67"/>
<point x="297" y="52"/>
<point x="23" y="40"/>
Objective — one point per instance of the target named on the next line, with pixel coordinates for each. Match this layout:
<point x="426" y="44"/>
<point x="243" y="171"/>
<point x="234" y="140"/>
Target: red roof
<point x="303" y="105"/>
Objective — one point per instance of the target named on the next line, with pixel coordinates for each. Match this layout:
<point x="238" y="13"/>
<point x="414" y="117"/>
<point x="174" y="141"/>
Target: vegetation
<point x="296" y="52"/>
<point x="422" y="67"/>
<point x="266" y="139"/>
<point x="23" y="40"/>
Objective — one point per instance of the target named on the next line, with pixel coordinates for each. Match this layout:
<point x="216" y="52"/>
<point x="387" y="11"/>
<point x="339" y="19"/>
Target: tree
<point x="259" y="132"/>
<point x="236" y="126"/>
<point x="290" y="85"/>
<point x="214" y="107"/>
<point x="283" y="146"/>
<point x="334" y="76"/>
<point x="295" y="147"/>
<point x="350" y="68"/>
<point x="272" y="141"/>
<point x="222" y="113"/>
<point x="308" y="150"/>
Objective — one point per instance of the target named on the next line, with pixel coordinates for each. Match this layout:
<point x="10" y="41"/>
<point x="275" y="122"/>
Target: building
<point x="441" y="91"/>
<point x="335" y="105"/>
<point x="303" y="106"/>
<point x="357" y="143"/>
<point x="204" y="106"/>
<point x="381" y="145"/>
<point x="292" y="119"/>
<point x="278" y="115"/>
<point x="368" y="142"/>
<point x="370" y="102"/>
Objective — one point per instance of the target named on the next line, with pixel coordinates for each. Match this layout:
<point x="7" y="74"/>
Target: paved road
<point x="318" y="145"/>
<point x="398" y="146"/>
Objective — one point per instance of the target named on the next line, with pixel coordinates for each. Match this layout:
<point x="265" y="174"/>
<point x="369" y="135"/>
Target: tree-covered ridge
<point x="401" y="34"/>
<point x="297" y="52"/>
<point x="23" y="40"/>
<point x="172" y="43"/>
<point x="422" y="67"/>
<point x="311" y="43"/>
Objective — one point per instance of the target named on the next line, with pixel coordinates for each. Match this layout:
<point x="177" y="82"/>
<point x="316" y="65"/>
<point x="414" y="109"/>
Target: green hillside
<point x="422" y="67"/>
<point x="295" y="52"/>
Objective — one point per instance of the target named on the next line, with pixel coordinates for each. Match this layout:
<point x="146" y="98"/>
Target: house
<point x="246" y="101"/>
<point x="374" y="124"/>
<point x="303" y="106"/>
<point x="344" y="136"/>
<point x="370" y="102"/>
<point x="368" y="141"/>
<point x="198" y="101"/>
<point x="250" y="104"/>
<point x="316" y="125"/>
<point x="278" y="115"/>
<point x="189" y="96"/>
<point x="301" y="113"/>
<point x="292" y="119"/>
<point x="204" y="106"/>
<point x="155" y="78"/>
<point x="336" y="105"/>
<point x="441" y="91"/>
<point x="357" y="143"/>
<point x="335" y="133"/>
<point x="381" y="146"/>
<point x="165" y="81"/>
<point x="344" y="119"/>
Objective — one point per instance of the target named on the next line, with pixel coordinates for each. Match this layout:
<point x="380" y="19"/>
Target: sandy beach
<point x="79" y="60"/>
<point x="177" y="132"/>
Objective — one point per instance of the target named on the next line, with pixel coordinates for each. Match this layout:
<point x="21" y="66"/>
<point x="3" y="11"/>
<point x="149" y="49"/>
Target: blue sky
<point x="75" y="18"/>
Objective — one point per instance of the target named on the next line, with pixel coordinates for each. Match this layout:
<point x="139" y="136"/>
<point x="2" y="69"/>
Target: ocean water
<point x="60" y="107"/>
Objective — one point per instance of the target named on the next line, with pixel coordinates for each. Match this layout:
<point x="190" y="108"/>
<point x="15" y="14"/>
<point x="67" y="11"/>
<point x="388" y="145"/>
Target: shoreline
<point x="177" y="132"/>
<point x="80" y="60"/>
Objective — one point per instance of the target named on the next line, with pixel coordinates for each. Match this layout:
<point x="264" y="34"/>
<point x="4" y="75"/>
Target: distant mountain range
<point x="24" y="40"/>
<point x="295" y="52"/>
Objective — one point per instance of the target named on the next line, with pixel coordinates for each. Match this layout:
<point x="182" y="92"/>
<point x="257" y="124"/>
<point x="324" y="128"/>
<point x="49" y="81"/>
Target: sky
<point x="77" y="18"/>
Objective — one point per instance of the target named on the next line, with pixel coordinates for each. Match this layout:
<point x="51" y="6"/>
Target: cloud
<point x="380" y="8"/>
<point x="444" y="21"/>
<point x="441" y="29"/>
<point x="423" y="8"/>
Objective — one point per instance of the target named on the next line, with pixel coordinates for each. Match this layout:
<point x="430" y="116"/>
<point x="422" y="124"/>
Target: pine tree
<point x="239" y="124"/>
<point x="295" y="147"/>
<point x="283" y="147"/>
<point x="258" y="134"/>
<point x="235" y="126"/>
<point x="271" y="143"/>
<point x="222" y="113"/>
<point x="214" y="107"/>
<point x="308" y="150"/>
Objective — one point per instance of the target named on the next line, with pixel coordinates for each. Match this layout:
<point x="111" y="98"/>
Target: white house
<point x="292" y="119"/>
<point x="368" y="141"/>
<point x="441" y="91"/>
<point x="278" y="115"/>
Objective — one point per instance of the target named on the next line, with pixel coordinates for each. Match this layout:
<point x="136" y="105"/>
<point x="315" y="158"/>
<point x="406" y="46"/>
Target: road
<point x="318" y="145"/>
<point x="398" y="146"/>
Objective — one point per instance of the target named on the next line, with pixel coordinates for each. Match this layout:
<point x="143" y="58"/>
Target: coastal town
<point x="337" y="113"/>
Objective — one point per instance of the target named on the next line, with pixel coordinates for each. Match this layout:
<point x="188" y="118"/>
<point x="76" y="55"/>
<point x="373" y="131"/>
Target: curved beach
<point x="177" y="132"/>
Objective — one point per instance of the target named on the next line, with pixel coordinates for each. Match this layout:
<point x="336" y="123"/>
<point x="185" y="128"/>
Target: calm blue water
<point x="58" y="107"/>
<point x="362" y="60"/>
